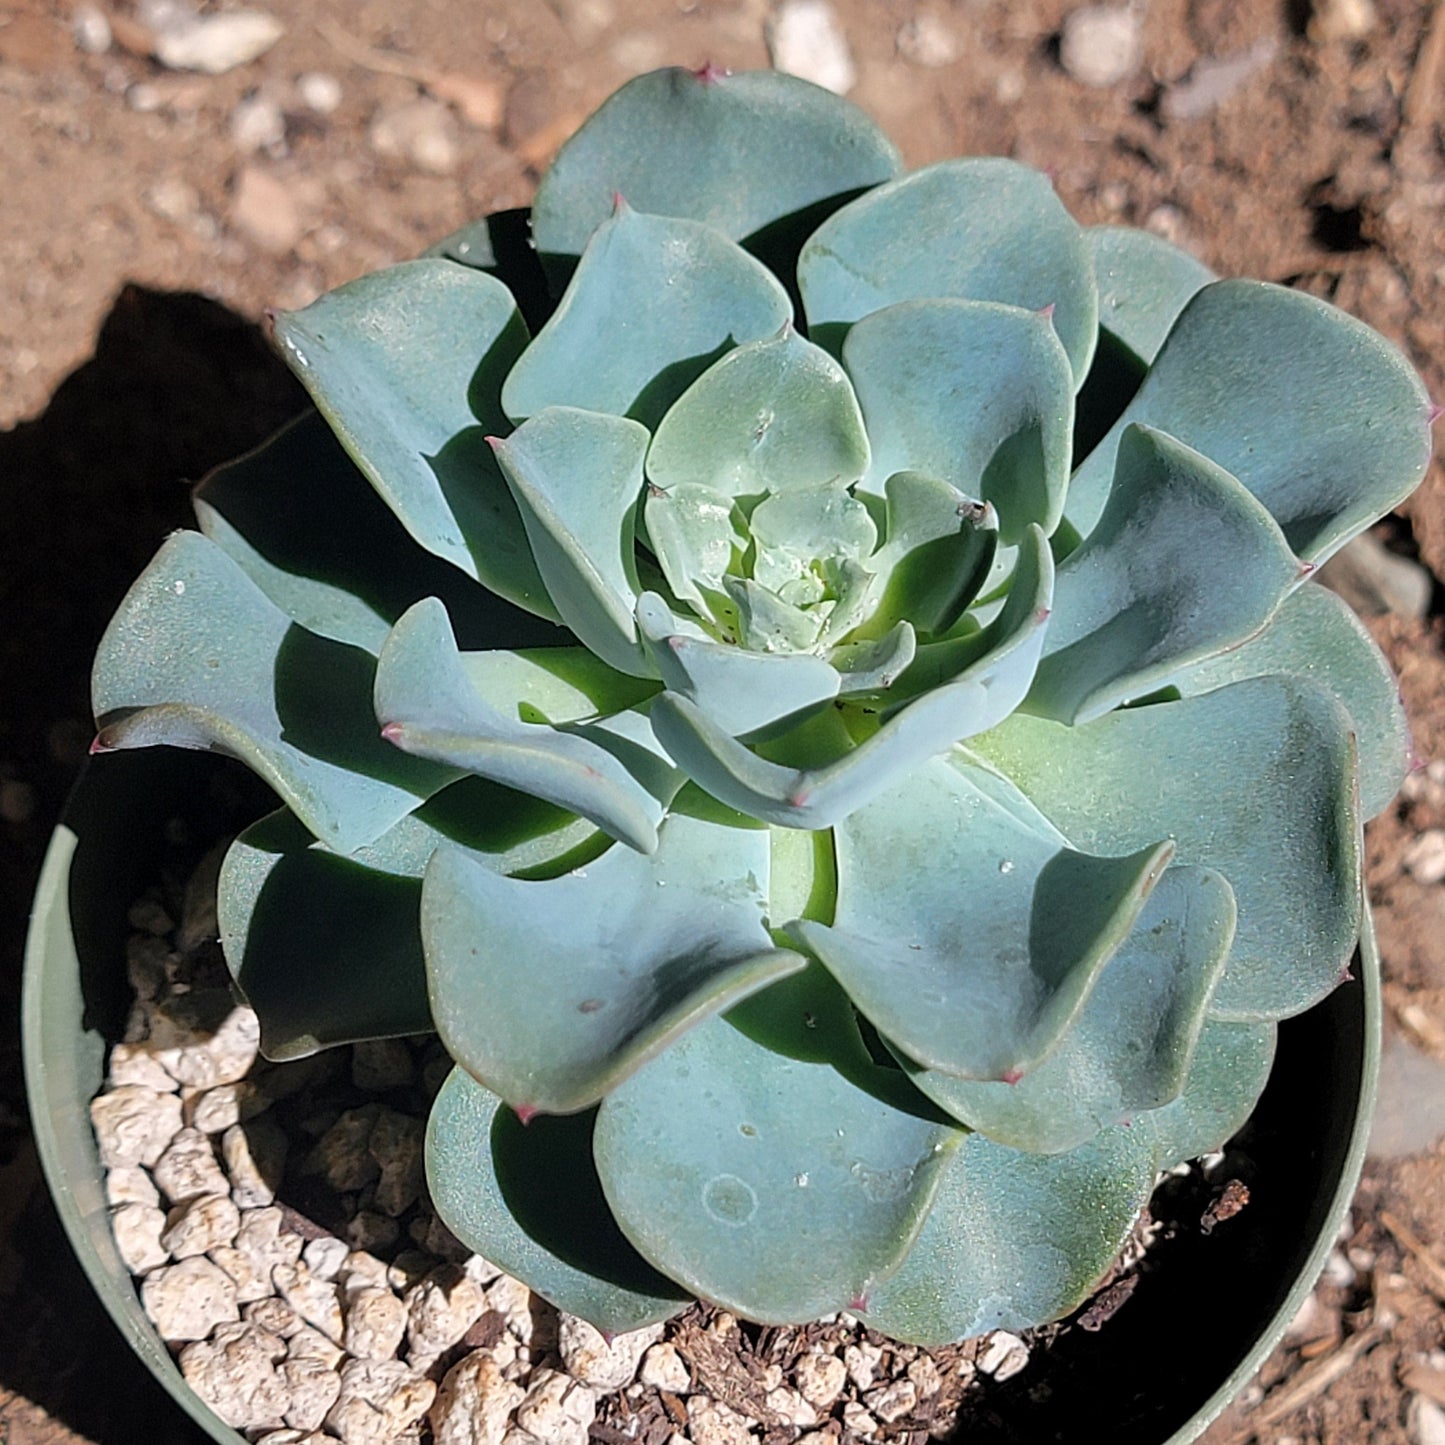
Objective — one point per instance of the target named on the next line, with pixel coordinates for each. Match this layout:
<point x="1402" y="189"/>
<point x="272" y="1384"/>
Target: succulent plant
<point x="828" y="717"/>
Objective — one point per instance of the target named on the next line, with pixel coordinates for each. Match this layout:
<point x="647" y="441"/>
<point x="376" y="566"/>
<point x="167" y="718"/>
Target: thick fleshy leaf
<point x="553" y="684"/>
<point x="939" y="547"/>
<point x="815" y="797"/>
<point x="197" y="656"/>
<point x="765" y="623"/>
<point x="655" y="302"/>
<point x="1130" y="1047"/>
<point x="1227" y="1074"/>
<point x="978" y="230"/>
<point x="577" y="479"/>
<point x="1314" y="634"/>
<point x="976" y="394"/>
<point x="528" y="1199"/>
<point x="769" y="1183"/>
<point x="350" y="579"/>
<point x="552" y="993"/>
<point x="697" y="534"/>
<point x="1318" y="415"/>
<point x="327" y="947"/>
<point x="1014" y="1239"/>
<point x="769" y="416"/>
<point x="407" y="365"/>
<point x="801" y="535"/>
<point x="1256" y="780"/>
<point x="740" y="690"/>
<point x="1184" y="564"/>
<point x="739" y="152"/>
<point x="1144" y="283"/>
<point x="968" y="939"/>
<point x="870" y="668"/>
<point x="428" y="707"/>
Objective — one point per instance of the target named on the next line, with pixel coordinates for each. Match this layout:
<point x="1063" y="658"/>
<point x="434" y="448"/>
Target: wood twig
<point x="1315" y="1380"/>
<point x="1423" y="1254"/>
<point x="1422" y="95"/>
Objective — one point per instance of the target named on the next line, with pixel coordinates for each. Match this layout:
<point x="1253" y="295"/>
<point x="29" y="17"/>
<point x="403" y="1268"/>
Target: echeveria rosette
<point x="861" y="783"/>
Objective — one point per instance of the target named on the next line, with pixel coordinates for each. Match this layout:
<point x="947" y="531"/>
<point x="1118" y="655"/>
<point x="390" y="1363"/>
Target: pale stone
<point x="362" y="1270"/>
<point x="312" y="1387"/>
<point x="257" y="123"/>
<point x="310" y="1344"/>
<point x="188" y="1169"/>
<point x="440" y="1310"/>
<point x="1342" y="20"/>
<point x="710" y="1422"/>
<point x="857" y="1421"/>
<point x="264" y="210"/>
<point x="1102" y="45"/>
<point x="325" y="1256"/>
<point x="214" y="44"/>
<point x="664" y="1369"/>
<point x="262" y="1236"/>
<point x="197" y="1226"/>
<point x="892" y="1401"/>
<point x="924" y="1374"/>
<point x="790" y="1407"/>
<point x="378" y="1400"/>
<point x="1212" y="81"/>
<point x="1003" y="1356"/>
<point x="474" y="1403"/>
<point x="235" y="1373"/>
<point x="375" y="1324"/>
<point x="186" y="1301"/>
<point x="862" y="1361"/>
<point x="252" y="1284"/>
<point x="604" y="1364"/>
<point x="313" y="1299"/>
<point x="557" y="1409"/>
<point x="513" y="1301"/>
<point x="821" y="1378"/>
<point x="134" y="1124"/>
<point x="274" y="1314"/>
<point x="255" y="1157"/>
<point x="421" y="132"/>
<point x="341" y="1156"/>
<point x="806" y="40"/>
<point x="928" y="41"/>
<point x="319" y="91"/>
<point x="213" y="1111"/>
<point x="1426" y="1422"/>
<point x="138" y="1229"/>
<point x="135" y="1064"/>
<point x="1424" y="859"/>
<point x="396" y="1143"/>
<point x="130" y="1184"/>
<point x="198" y="1052"/>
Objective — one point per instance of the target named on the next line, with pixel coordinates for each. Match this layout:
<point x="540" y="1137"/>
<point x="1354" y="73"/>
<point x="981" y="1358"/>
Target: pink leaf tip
<point x="619" y="203"/>
<point x="1434" y="414"/>
<point x="525" y="1113"/>
<point x="1011" y="1076"/>
<point x="710" y="74"/>
<point x="392" y="732"/>
<point x="99" y="744"/>
<point x="1308" y="569"/>
<point x="858" y="1304"/>
<point x="1047" y="312"/>
<point x="494" y="442"/>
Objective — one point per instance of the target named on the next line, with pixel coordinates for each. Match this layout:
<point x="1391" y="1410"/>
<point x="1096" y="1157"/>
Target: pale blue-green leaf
<point x="697" y="535"/>
<point x="1227" y="1074"/>
<point x="553" y="684"/>
<point x="770" y="1184"/>
<point x="1014" y="1239"/>
<point x="970" y="941"/>
<point x="1003" y="656"/>
<point x="1318" y="415"/>
<point x="552" y="993"/>
<point x="850" y="595"/>
<point x="1314" y="634"/>
<point x="1144" y="283"/>
<point x="821" y="796"/>
<point x="737" y="151"/>
<point x="1256" y="780"/>
<point x="197" y="656"/>
<point x="802" y="877"/>
<point x="352" y="578"/>
<point x="577" y="479"/>
<point x="768" y="624"/>
<point x="740" y="690"/>
<point x="326" y="947"/>
<point x="407" y="366"/>
<point x="427" y="707"/>
<point x="769" y="416"/>
<point x="1184" y="564"/>
<point x="1130" y="1047"/>
<point x="654" y="303"/>
<point x="938" y="549"/>
<point x="869" y="668"/>
<point x="977" y="394"/>
<point x="978" y="230"/>
<point x="817" y="523"/>
<point x="529" y="1200"/>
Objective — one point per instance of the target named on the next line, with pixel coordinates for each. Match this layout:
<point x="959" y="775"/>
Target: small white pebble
<point x="319" y="91"/>
<point x="664" y="1369"/>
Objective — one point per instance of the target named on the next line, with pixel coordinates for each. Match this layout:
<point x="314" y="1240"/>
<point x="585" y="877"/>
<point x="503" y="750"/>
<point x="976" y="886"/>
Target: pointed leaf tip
<point x="858" y="1304"/>
<point x="1434" y="413"/>
<point x="525" y="1113"/>
<point x="393" y="732"/>
<point x="100" y="745"/>
<point x="1011" y="1076"/>
<point x="710" y="74"/>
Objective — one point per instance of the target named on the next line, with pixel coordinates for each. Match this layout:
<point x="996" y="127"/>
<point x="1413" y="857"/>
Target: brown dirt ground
<point x="136" y="261"/>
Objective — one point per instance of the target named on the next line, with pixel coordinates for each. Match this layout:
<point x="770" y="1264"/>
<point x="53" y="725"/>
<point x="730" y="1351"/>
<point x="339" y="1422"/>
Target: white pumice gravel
<point x="377" y="1326"/>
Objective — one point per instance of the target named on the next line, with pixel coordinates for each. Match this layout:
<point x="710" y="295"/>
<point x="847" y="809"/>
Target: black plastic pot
<point x="1186" y="1343"/>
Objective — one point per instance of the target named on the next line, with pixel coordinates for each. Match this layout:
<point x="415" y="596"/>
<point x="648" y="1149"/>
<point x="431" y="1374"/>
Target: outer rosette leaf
<point x="655" y="302"/>
<point x="529" y="1200"/>
<point x="577" y="479"/>
<point x="610" y="772"/>
<point x="777" y="1182"/>
<point x="619" y="958"/>
<point x="1144" y="283"/>
<point x="1183" y="564"/>
<point x="968" y="937"/>
<point x="1129" y="1048"/>
<point x="199" y="657"/>
<point x="768" y="416"/>
<point x="977" y="230"/>
<point x="1014" y="1239"/>
<point x="1256" y="780"/>
<point x="740" y="152"/>
<point x="1318" y="415"/>
<point x="407" y="366"/>
<point x="977" y="394"/>
<point x="1316" y="635"/>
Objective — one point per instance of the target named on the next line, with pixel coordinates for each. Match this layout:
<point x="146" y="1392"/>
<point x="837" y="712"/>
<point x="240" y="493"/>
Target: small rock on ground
<point x="806" y="40"/>
<point x="1102" y="45"/>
